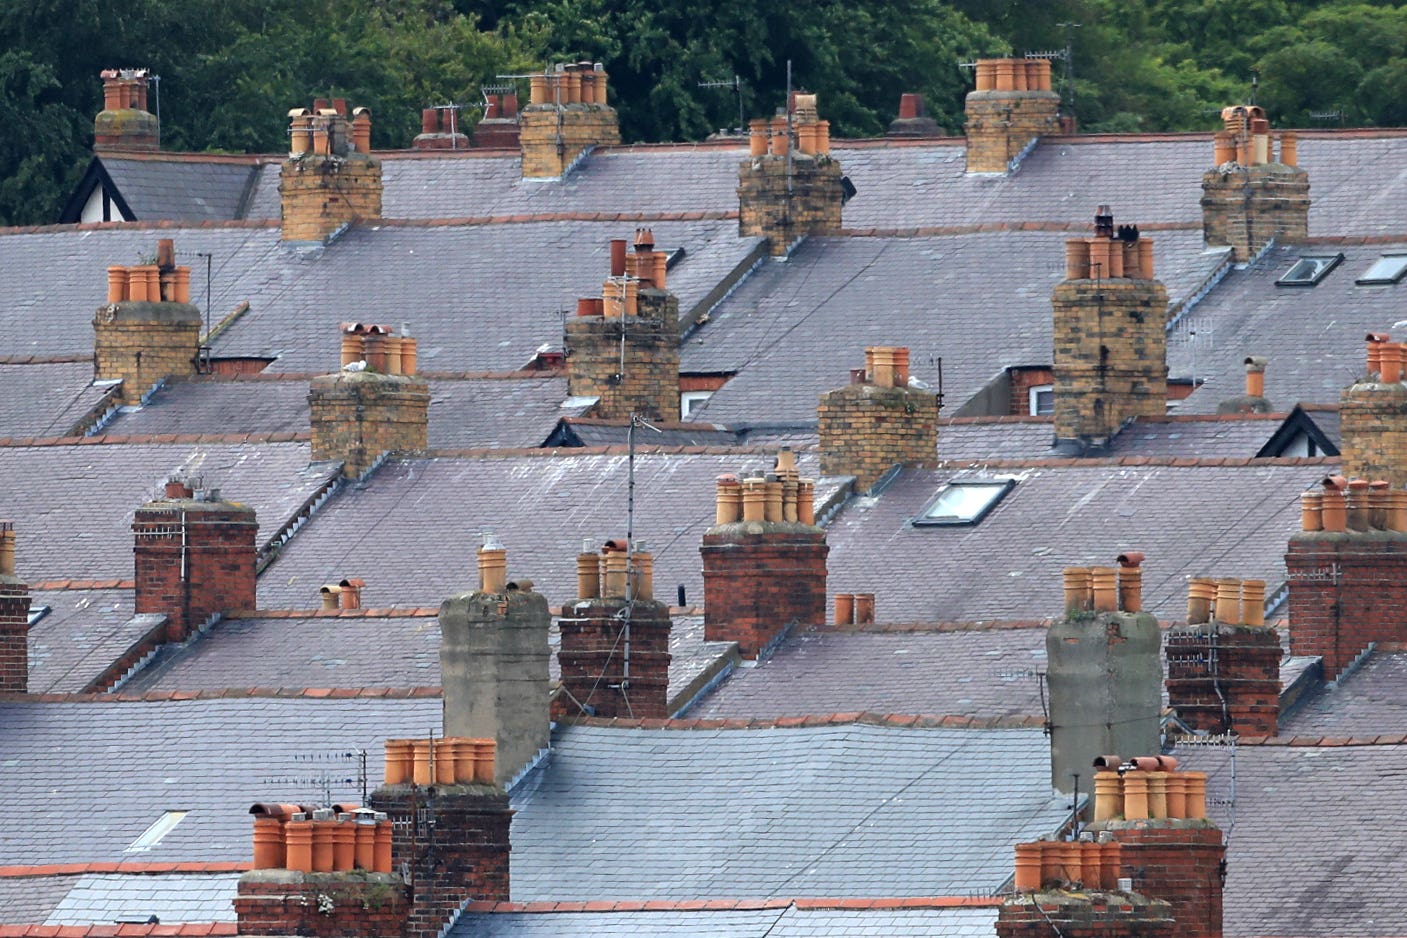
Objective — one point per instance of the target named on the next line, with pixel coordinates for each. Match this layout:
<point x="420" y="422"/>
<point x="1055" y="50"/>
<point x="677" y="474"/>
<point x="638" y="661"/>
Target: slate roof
<point x="83" y="633"/>
<point x="1205" y="437"/>
<point x="218" y="405"/>
<point x="847" y="810"/>
<point x="181" y="189"/>
<point x="589" y="432"/>
<point x="48" y="398"/>
<point x="31" y="898"/>
<point x="210" y="757"/>
<point x="1189" y="520"/>
<point x="103" y="898"/>
<point x="1367" y="703"/>
<point x="981" y="302"/>
<point x="73" y="505"/>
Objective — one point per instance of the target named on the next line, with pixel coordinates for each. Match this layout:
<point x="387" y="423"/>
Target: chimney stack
<point x="330" y="178"/>
<point x="1072" y="888"/>
<point x="637" y="313"/>
<point x="1253" y="401"/>
<point x="1104" y="673"/>
<point x="124" y="123"/>
<point x="1373" y="414"/>
<point x="499" y="127"/>
<point x="493" y="662"/>
<point x="375" y="405"/>
<point x="194" y="556"/>
<point x="870" y="426"/>
<point x="567" y="115"/>
<point x="764" y="561"/>
<point x="790" y="186"/>
<point x="1011" y="108"/>
<point x="912" y="120"/>
<point x="1248" y="198"/>
<point x="1110" y="337"/>
<point x="14" y="618"/>
<point x="148" y="330"/>
<point x="441" y="128"/>
<point x="614" y="655"/>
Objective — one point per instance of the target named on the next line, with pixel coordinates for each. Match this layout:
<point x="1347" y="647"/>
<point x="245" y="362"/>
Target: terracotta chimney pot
<point x="1077" y="589"/>
<point x="1255" y="376"/>
<point x="1028" y="860"/>
<point x="1335" y="510"/>
<point x="1136" y="796"/>
<point x="844" y="608"/>
<point x="1358" y="516"/>
<point x="400" y="761"/>
<point x="754" y="499"/>
<point x="986" y="77"/>
<point x="864" y="608"/>
<point x="1312" y="511"/>
<point x="1289" y="149"/>
<point x="1102" y="585"/>
<point x="806" y="501"/>
<point x="1253" y="602"/>
<point x="1108" y="795"/>
<point x="1201" y="591"/>
<point x="298" y="837"/>
<point x="1228" y="601"/>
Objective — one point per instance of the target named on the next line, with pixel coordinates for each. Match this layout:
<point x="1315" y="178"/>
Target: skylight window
<point x="1387" y="269"/>
<point x="964" y="502"/>
<point x="159" y="829"/>
<point x="1308" y="271"/>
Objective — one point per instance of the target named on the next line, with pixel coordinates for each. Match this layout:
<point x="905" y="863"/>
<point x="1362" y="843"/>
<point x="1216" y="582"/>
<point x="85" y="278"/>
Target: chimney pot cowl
<point x="1130" y="558"/>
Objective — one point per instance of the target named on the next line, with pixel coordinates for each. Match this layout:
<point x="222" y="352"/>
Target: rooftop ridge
<point x="181" y="156"/>
<point x="1179" y="462"/>
<point x="125" y="866"/>
<point x="408" y="612"/>
<point x="117" y="439"/>
<point x="567" y="452"/>
<point x="987" y="625"/>
<point x="276" y="376"/>
<point x="59" y="585"/>
<point x="662" y="424"/>
<point x="866" y="718"/>
<point x="1400" y="238"/>
<point x="530" y="217"/>
<point x="1003" y="226"/>
<point x="118" y="931"/>
<point x="230" y="693"/>
<point x="45" y="359"/>
<point x="1323" y="742"/>
<point x="738" y="905"/>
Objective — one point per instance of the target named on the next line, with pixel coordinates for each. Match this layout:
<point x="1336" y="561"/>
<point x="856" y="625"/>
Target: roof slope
<point x="181" y="189"/>
<point x="46" y="399"/>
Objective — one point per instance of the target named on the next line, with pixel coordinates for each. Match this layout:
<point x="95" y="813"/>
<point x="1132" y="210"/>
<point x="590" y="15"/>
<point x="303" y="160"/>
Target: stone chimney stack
<point x="566" y="116"/>
<point x="1110" y="337"/>
<point x="635" y="306"/>
<point x="1224" y="664"/>
<point x="1249" y="198"/>
<point x="1104" y="671"/>
<point x="14" y="618"/>
<point x="877" y="421"/>
<point x="1348" y="571"/>
<point x="124" y="123"/>
<point x="375" y="405"/>
<point x="493" y="662"/>
<point x="1373" y="414"/>
<point x="1011" y="108"/>
<point x="330" y="178"/>
<point x="764" y="561"/>
<point x="148" y="330"/>
<point x="614" y="655"/>
<point x="194" y="555"/>
<point x="789" y="186"/>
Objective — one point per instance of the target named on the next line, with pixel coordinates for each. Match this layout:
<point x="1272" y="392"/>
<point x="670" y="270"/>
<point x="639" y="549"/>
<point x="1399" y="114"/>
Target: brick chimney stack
<point x="375" y="405"/>
<point x="1348" y="571"/>
<point x="1110" y="337"/>
<point x="499" y="128"/>
<point x="1373" y="414"/>
<point x="566" y="116"/>
<point x="764" y="561"/>
<point x="1248" y="197"/>
<point x="633" y="305"/>
<point x="330" y="178"/>
<point x="1071" y="888"/>
<point x="124" y="123"/>
<point x="877" y="421"/>
<point x="1224" y="665"/>
<point x="441" y="128"/>
<point x="194" y="555"/>
<point x="790" y="186"/>
<point x="1104" y="672"/>
<point x="1011" y="108"/>
<point x="148" y="330"/>
<point x="493" y="661"/>
<point x="614" y="655"/>
<point x="14" y="618"/>
<point x="913" y="121"/>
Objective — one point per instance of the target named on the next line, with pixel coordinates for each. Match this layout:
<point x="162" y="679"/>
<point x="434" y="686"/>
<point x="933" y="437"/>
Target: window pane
<point x="1388" y="269"/>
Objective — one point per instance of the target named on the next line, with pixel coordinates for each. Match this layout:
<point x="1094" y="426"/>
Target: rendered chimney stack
<point x="867" y="428"/>
<point x="14" y="618"/>
<point x="441" y="128"/>
<point x="764" y="573"/>
<point x="1110" y="337"/>
<point x="374" y="405"/>
<point x="1011" y="108"/>
<point x="330" y="178"/>
<point x="1104" y="671"/>
<point x="566" y="117"/>
<point x="148" y="330"/>
<point x="194" y="556"/>
<point x="1248" y="200"/>
<point x="125" y="123"/>
<point x="493" y="660"/>
<point x="788" y="189"/>
<point x="637" y="312"/>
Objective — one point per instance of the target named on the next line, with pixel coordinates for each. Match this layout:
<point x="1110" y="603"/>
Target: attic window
<point x="1308" y="271"/>
<point x="159" y="829"/>
<point x="964" y="502"/>
<point x="1387" y="269"/>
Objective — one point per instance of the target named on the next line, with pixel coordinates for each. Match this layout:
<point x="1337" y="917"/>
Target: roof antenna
<point x="737" y="85"/>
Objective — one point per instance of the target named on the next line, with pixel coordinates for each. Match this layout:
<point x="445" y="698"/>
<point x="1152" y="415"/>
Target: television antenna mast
<point x="737" y="85"/>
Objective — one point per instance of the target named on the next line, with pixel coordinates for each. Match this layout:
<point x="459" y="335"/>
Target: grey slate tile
<point x="31" y="898"/>
<point x="1368" y="703"/>
<point x="83" y="633"/>
<point x="46" y="399"/>
<point x="104" y="898"/>
<point x="191" y="190"/>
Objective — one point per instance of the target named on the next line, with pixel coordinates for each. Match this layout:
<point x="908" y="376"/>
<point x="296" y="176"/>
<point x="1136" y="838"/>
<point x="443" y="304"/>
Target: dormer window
<point x="964" y="502"/>
<point x="1387" y="269"/>
<point x="1309" y="270"/>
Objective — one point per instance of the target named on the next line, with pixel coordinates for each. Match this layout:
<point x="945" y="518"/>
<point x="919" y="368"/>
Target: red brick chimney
<point x="764" y="561"/>
<point x="567" y="115"/>
<point x="195" y="557"/>
<point x="124" y="123"/>
<point x="878" y="422"/>
<point x="1223" y="666"/>
<point x="14" y="618"/>
<point x="1011" y="108"/>
<point x="330" y="178"/>
<point x="1071" y="888"/>
<point x="1249" y="198"/>
<point x="614" y="655"/>
<point x="148" y="330"/>
<point x="912" y="120"/>
<point x="499" y="128"/>
<point x="441" y="128"/>
<point x="790" y="186"/>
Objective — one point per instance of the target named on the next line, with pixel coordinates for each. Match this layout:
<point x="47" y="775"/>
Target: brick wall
<point x="1022" y="380"/>
<point x="1110" y="356"/>
<point x="592" y="654"/>
<point x="1180" y="861"/>
<point x="1373" y="418"/>
<point x="322" y="905"/>
<point x="650" y="384"/>
<point x="212" y="542"/>
<point x="1001" y="123"/>
<point x="760" y="578"/>
<point x="14" y="634"/>
<point x="321" y="193"/>
<point x="358" y="415"/>
<point x="1246" y="206"/>
<point x="553" y="136"/>
<point x="1346" y="590"/>
<point x="142" y="343"/>
<point x="1225" y="678"/>
<point x="866" y="430"/>
<point x="765" y="207"/>
<point x="1085" y="915"/>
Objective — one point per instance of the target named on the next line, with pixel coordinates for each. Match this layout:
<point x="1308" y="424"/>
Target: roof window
<point x="964" y="502"/>
<point x="1309" y="270"/>
<point x="1387" y="269"/>
<point x="159" y="829"/>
